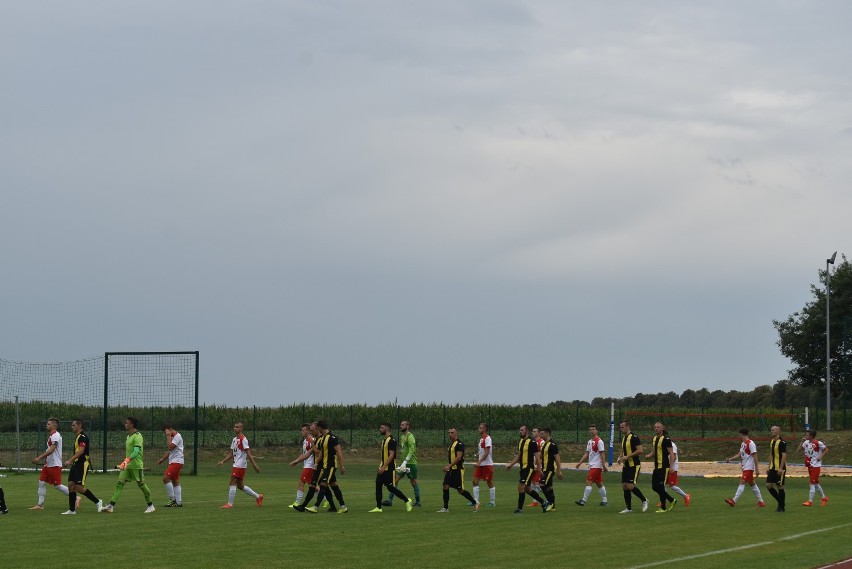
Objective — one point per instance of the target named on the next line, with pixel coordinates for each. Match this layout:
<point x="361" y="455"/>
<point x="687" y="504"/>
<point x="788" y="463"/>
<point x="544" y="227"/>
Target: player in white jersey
<point x="483" y="469"/>
<point x="595" y="450"/>
<point x="748" y="460"/>
<point x="51" y="472"/>
<point x="308" y="461"/>
<point x="671" y="480"/>
<point x="171" y="477"/>
<point x="814" y="451"/>
<point x="241" y="454"/>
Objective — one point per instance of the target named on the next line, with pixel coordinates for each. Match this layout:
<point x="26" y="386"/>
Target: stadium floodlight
<point x="829" y="261"/>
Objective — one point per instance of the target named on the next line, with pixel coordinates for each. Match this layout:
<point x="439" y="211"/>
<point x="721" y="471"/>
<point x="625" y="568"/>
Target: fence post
<point x="254" y="423"/>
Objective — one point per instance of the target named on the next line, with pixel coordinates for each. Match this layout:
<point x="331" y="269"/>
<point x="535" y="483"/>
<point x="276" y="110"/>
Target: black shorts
<point x="547" y="477"/>
<point x="454" y="479"/>
<point x="385" y="478"/>
<point x="776" y="477"/>
<point x="327" y="475"/>
<point x="658" y="477"/>
<point x="630" y="473"/>
<point x="77" y="473"/>
<point x="526" y="476"/>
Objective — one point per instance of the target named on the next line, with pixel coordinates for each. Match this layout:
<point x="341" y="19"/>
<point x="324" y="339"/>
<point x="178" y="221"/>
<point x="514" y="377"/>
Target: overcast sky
<point x="486" y="201"/>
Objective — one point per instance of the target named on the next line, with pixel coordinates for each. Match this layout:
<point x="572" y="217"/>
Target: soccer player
<point x="748" y="461"/>
<point x="132" y="468"/>
<point x="814" y="451"/>
<point x="483" y="469"/>
<point x="79" y="463"/>
<point x="631" y="449"/>
<point x="777" y="471"/>
<point x="331" y="461"/>
<point x="3" y="510"/>
<point x="171" y="477"/>
<point x="528" y="458"/>
<point x="661" y="451"/>
<point x="309" y="467"/>
<point x="408" y="467"/>
<point x="384" y="474"/>
<point x="241" y="455"/>
<point x="51" y="472"/>
<point x="551" y="465"/>
<point x="672" y="479"/>
<point x="595" y="450"/>
<point x="535" y="483"/>
<point x="454" y="472"/>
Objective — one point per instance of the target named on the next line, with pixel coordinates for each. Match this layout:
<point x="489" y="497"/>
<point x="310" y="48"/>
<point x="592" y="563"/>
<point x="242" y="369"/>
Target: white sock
<point x="62" y="488"/>
<point x="492" y="494"/>
<point x="819" y="489"/>
<point x="232" y="491"/>
<point x="178" y="494"/>
<point x="679" y="491"/>
<point x="756" y="490"/>
<point x="42" y="492"/>
<point x="170" y="490"/>
<point x="587" y="491"/>
<point x="811" y="490"/>
<point x="476" y="493"/>
<point x="251" y="492"/>
<point x="740" y="490"/>
<point x="299" y="496"/>
<point x="602" y="492"/>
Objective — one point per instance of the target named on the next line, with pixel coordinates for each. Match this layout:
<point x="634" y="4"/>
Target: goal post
<point x="161" y="382"/>
<point x="158" y="388"/>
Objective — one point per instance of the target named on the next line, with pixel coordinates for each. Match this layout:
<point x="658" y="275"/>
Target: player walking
<point x="51" y="472"/>
<point x="241" y="455"/>
<point x="171" y="477"/>
<point x="748" y="461"/>
<point x="132" y="467"/>
<point x="595" y="450"/>
<point x="814" y="451"/>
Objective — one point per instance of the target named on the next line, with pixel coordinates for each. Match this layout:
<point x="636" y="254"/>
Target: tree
<point x="801" y="336"/>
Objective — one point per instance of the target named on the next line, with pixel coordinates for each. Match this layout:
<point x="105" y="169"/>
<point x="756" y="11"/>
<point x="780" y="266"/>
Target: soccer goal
<point x="154" y="387"/>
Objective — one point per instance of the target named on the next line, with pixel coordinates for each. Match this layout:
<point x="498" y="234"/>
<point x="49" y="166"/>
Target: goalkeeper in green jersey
<point x="131" y="468"/>
<point x="408" y="466"/>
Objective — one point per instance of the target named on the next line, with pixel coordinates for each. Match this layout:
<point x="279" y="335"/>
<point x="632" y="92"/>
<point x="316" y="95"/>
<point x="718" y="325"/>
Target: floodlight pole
<point x="828" y="262"/>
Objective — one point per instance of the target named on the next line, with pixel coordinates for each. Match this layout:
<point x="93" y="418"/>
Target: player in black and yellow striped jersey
<point x="313" y="486"/>
<point x="551" y="465"/>
<point x="384" y="474"/>
<point x="663" y="455"/>
<point x="777" y="472"/>
<point x="454" y="471"/>
<point x="529" y="459"/>
<point x="330" y="461"/>
<point x="631" y="448"/>
<point x="80" y="465"/>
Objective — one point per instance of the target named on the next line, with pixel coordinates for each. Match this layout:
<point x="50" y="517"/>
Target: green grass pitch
<point x="707" y="534"/>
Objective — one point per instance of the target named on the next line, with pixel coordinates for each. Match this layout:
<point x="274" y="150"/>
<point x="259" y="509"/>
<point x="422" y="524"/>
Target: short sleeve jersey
<point x="747" y="451"/>
<point x="308" y="445"/>
<point x="813" y="450"/>
<point x="329" y="451"/>
<point x="82" y="442"/>
<point x="240" y="447"/>
<point x="485" y="443"/>
<point x="176" y="454"/>
<point x="777" y="449"/>
<point x="456" y="447"/>
<point x="595" y="447"/>
<point x="661" y="444"/>
<point x="549" y="450"/>
<point x="526" y="452"/>
<point x="54" y="458"/>
<point x="388" y="447"/>
<point x="629" y="444"/>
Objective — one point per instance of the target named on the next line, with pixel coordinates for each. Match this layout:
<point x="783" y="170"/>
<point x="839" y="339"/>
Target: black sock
<point x="446" y="498"/>
<point x="775" y="495"/>
<point x="782" y="498"/>
<point x="337" y="494"/>
<point x="521" y="500"/>
<point x="308" y="496"/>
<point x="639" y="494"/>
<point x="536" y="496"/>
<point x="72" y="501"/>
<point x="628" y="499"/>
<point x="466" y="495"/>
<point x="88" y="494"/>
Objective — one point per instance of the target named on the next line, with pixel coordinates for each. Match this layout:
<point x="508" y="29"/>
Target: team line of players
<point x="322" y="456"/>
